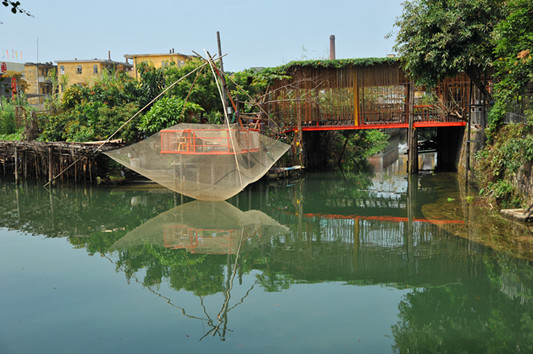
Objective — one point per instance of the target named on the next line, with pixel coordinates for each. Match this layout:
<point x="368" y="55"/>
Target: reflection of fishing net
<point x="202" y="227"/>
<point x="203" y="161"/>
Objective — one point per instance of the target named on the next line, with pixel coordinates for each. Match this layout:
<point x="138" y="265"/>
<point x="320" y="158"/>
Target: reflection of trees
<point x="318" y="189"/>
<point x="76" y="211"/>
<point x="197" y="273"/>
<point x="173" y="269"/>
<point x="480" y="317"/>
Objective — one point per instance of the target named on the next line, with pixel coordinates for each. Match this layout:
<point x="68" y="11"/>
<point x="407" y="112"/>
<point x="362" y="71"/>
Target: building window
<point x="61" y="70"/>
<point x="79" y="69"/>
<point x="95" y="69"/>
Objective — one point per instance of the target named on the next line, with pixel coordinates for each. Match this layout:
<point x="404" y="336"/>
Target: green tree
<point x="200" y="88"/>
<point x="94" y="112"/>
<point x="151" y="83"/>
<point x="441" y="38"/>
<point x="513" y="68"/>
<point x="169" y="111"/>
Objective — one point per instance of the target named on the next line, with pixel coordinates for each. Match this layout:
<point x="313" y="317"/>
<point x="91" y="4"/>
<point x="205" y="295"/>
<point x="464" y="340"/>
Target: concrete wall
<point x="156" y="60"/>
<point x="35" y="76"/>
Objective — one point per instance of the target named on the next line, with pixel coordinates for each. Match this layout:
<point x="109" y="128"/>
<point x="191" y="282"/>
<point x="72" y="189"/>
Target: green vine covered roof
<point x="337" y="63"/>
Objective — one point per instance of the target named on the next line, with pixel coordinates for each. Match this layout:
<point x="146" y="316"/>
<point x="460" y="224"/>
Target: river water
<point x="369" y="263"/>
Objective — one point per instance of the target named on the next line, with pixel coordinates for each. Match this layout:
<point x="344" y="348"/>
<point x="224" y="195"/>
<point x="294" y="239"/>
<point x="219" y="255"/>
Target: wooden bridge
<point x="364" y="94"/>
<point x="374" y="93"/>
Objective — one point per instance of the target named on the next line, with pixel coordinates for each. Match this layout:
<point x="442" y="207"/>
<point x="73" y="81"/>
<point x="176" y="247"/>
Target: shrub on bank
<point x="499" y="163"/>
<point x="12" y="115"/>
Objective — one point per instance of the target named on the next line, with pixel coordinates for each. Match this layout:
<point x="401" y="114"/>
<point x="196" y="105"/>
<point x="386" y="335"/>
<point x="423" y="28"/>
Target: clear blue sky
<point x="253" y="33"/>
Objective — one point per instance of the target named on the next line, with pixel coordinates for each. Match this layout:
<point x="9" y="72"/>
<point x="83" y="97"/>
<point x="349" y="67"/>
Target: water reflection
<point x="199" y="228"/>
<point x="362" y="230"/>
<point x="204" y="228"/>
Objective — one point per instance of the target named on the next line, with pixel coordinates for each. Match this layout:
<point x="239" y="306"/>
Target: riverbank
<point x="502" y="167"/>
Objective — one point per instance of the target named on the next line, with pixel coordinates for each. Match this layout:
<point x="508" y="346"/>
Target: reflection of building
<point x="83" y="72"/>
<point x="39" y="85"/>
<point x="157" y="60"/>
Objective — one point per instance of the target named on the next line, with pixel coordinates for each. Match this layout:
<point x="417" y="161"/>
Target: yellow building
<point x="39" y="86"/>
<point x="85" y="72"/>
<point x="157" y="60"/>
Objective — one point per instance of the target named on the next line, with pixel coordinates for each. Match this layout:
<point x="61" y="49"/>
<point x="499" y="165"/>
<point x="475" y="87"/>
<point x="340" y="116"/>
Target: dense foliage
<point x="513" y="68"/>
<point x="94" y="112"/>
<point x="337" y="64"/>
<point x="485" y="39"/>
<point x="498" y="164"/>
<point x="12" y="117"/>
<point x="168" y="111"/>
<point x="7" y="118"/>
<point x="437" y="39"/>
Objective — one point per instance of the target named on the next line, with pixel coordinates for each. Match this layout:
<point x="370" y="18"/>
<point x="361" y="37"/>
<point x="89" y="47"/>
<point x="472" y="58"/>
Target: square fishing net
<point x="203" y="161"/>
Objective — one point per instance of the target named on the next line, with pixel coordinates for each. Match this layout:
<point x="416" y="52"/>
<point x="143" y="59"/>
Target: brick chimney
<point x="332" y="47"/>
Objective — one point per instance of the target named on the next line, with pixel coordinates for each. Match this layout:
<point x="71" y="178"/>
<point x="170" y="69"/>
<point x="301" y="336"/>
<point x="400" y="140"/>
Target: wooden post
<point x="16" y="165"/>
<point x="355" y="99"/>
<point x="50" y="165"/>
<point x="467" y="167"/>
<point x="299" y="141"/>
<point x="412" y="134"/>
